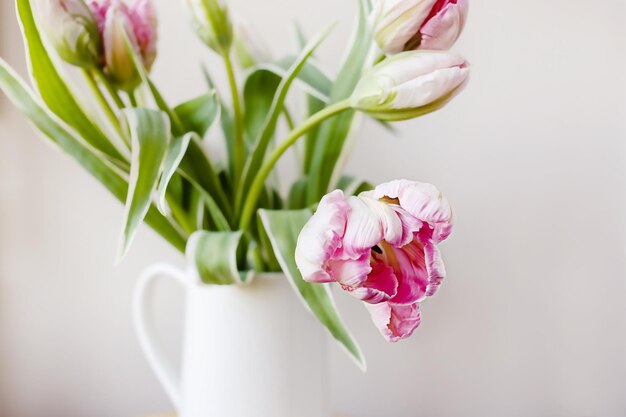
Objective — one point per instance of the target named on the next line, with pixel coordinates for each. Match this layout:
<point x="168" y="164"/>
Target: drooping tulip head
<point x="381" y="247"/>
<point x="404" y="25"/>
<point x="410" y="84"/>
<point x="72" y="30"/>
<point x="118" y="21"/>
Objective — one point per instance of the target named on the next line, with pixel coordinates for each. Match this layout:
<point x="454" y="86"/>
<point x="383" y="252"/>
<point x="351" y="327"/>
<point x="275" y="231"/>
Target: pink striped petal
<point x="322" y="237"/>
<point x="442" y="30"/>
<point x="395" y="322"/>
<point x="424" y="202"/>
<point x="380" y="285"/>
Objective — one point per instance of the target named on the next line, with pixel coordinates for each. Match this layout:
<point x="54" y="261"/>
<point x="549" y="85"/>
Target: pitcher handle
<point x="145" y="331"/>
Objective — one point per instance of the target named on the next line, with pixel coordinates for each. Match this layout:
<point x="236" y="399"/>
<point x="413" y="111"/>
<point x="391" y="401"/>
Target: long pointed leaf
<point x="262" y="143"/>
<point x="150" y="134"/>
<point x="53" y="90"/>
<point x="283" y="228"/>
<point x="25" y="101"/>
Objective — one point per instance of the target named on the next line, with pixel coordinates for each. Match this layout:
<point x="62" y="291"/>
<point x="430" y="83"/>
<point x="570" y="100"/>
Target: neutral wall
<point x="531" y="319"/>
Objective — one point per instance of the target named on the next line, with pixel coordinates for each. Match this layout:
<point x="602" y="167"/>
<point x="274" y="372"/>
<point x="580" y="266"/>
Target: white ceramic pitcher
<point x="249" y="351"/>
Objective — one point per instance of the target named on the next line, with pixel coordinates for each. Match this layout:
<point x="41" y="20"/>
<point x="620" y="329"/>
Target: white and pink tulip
<point x="404" y="25"/>
<point x="381" y="247"/>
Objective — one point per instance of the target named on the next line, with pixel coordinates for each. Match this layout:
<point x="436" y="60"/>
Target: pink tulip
<point x="139" y="23"/>
<point x="381" y="247"/>
<point x="404" y="25"/>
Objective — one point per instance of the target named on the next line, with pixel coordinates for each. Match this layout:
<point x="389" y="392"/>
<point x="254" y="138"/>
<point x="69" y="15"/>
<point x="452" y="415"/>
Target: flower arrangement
<point x="378" y="243"/>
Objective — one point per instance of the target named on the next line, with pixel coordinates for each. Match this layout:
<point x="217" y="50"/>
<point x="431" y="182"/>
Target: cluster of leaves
<point x="150" y="156"/>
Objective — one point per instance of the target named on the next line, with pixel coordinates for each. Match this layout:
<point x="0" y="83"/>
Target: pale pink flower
<point x="381" y="247"/>
<point x="403" y="25"/>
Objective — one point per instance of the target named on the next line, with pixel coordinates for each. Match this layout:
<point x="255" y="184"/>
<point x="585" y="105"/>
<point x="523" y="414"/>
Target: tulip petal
<point x="429" y="88"/>
<point x="409" y="265"/>
<point x="370" y="221"/>
<point x="321" y="237"/>
<point x="119" y="64"/>
<point x="144" y="21"/>
<point x="350" y="273"/>
<point x="435" y="267"/>
<point x="380" y="285"/>
<point x="444" y="28"/>
<point x="424" y="202"/>
<point x="395" y="322"/>
<point x="397" y="21"/>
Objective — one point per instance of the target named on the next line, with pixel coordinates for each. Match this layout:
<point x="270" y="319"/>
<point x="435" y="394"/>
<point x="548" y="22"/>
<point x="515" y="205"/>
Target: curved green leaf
<point x="260" y="147"/>
<point x="174" y="155"/>
<point x="312" y="78"/>
<point x="109" y="176"/>
<point x="150" y="135"/>
<point x="53" y="89"/>
<point x="197" y="168"/>
<point x="199" y="114"/>
<point x="214" y="254"/>
<point x="283" y="228"/>
<point x="258" y="95"/>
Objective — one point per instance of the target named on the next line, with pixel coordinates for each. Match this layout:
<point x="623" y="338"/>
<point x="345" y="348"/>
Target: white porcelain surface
<point x="249" y="351"/>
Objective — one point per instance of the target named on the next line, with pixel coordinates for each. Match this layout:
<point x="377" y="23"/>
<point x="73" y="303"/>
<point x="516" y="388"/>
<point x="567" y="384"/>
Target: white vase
<point x="248" y="351"/>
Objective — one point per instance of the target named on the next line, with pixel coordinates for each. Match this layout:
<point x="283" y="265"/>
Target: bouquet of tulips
<point x="379" y="243"/>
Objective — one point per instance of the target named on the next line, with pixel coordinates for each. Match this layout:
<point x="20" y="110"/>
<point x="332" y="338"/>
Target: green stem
<point x="259" y="181"/>
<point x="133" y="100"/>
<point x="107" y="85"/>
<point x="104" y="103"/>
<point x="239" y="148"/>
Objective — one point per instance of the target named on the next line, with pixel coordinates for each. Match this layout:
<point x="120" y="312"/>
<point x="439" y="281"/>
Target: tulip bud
<point x="118" y="23"/>
<point x="72" y="30"/>
<point x="410" y="84"/>
<point x="404" y="25"/>
<point x="211" y="22"/>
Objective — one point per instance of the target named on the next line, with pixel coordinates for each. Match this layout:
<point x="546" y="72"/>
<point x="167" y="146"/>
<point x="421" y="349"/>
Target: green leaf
<point x="104" y="172"/>
<point x="258" y="93"/>
<point x="199" y="114"/>
<point x="312" y="78"/>
<point x="283" y="228"/>
<point x="175" y="153"/>
<point x="260" y="147"/>
<point x="53" y="89"/>
<point x="150" y="135"/>
<point x="214" y="254"/>
<point x="297" y="194"/>
<point x="333" y="134"/>
<point x="197" y="168"/>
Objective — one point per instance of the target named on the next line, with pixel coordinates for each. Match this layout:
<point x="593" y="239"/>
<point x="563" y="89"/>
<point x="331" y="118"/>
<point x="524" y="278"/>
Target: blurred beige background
<point x="531" y="320"/>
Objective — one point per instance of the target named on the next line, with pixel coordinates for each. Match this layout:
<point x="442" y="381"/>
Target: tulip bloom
<point x="410" y="84"/>
<point x="381" y="247"/>
<point x="72" y="30"/>
<point x="138" y="22"/>
<point x="404" y="25"/>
